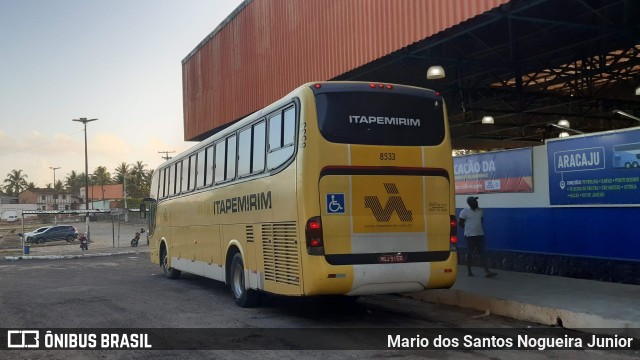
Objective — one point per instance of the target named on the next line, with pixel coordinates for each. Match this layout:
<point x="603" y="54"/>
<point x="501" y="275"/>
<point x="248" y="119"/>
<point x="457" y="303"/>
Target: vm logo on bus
<point x="394" y="203"/>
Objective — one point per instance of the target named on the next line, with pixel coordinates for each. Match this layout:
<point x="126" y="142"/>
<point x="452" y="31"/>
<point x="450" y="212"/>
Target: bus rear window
<point x="383" y="118"/>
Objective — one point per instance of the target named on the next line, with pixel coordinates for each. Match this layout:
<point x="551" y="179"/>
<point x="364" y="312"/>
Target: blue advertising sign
<point x="596" y="169"/>
<point x="500" y="171"/>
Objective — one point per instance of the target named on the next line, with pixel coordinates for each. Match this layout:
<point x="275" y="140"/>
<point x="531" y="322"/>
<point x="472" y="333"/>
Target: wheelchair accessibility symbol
<point x="335" y="203"/>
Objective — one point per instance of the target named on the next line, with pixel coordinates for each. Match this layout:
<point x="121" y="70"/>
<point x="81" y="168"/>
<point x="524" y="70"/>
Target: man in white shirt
<point x="471" y="221"/>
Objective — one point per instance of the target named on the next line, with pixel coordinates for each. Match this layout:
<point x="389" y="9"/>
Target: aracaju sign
<point x="595" y="169"/>
<point x="491" y="172"/>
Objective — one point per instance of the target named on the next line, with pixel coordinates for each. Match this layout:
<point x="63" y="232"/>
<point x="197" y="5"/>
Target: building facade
<point x="49" y="199"/>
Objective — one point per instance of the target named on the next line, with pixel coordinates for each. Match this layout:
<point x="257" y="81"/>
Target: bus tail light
<point x="380" y="86"/>
<point x="313" y="234"/>
<point x="453" y="232"/>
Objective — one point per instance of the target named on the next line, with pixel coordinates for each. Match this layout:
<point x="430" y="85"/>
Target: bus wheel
<point x="169" y="272"/>
<point x="241" y="295"/>
<point x="635" y="164"/>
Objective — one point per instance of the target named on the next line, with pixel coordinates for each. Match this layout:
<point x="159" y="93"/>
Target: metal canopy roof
<point x="528" y="64"/>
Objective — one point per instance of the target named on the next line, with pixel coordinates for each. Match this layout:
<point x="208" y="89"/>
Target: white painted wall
<point x="15" y="209"/>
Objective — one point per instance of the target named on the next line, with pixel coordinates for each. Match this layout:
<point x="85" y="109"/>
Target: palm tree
<point x="15" y="182"/>
<point x="102" y="177"/>
<point x="59" y="186"/>
<point x="145" y="188"/>
<point x="138" y="174"/>
<point x="121" y="171"/>
<point x="74" y="182"/>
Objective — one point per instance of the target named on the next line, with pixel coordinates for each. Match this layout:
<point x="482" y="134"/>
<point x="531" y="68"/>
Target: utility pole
<point x="166" y="154"/>
<point x="84" y="121"/>
<point x="126" y="208"/>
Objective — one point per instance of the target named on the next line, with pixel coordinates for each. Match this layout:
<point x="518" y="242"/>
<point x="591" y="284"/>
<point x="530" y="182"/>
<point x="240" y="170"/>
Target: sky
<point x="119" y="61"/>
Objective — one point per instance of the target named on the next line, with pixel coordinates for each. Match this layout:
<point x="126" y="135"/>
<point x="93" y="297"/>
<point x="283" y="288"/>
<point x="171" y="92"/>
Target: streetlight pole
<point x="55" y="193"/>
<point x="54" y="175"/>
<point x="84" y="121"/>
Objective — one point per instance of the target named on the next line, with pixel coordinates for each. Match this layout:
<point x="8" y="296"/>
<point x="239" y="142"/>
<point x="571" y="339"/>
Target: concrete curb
<point x="568" y="319"/>
<point x="70" y="256"/>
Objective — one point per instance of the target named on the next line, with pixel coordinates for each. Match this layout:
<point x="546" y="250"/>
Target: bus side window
<point x="172" y="180"/>
<point x="232" y="159"/>
<point x="288" y="132"/>
<point x="209" y="167"/>
<point x="281" y="138"/>
<point x="193" y="173"/>
<point x="185" y="174"/>
<point x="244" y="152"/>
<point x="161" y="183"/>
<point x="219" y="163"/>
<point x="178" y="182"/>
<point x="201" y="170"/>
<point x="259" y="142"/>
<point x="275" y="132"/>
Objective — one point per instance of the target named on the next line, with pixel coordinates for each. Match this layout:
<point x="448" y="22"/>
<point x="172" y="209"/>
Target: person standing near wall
<point x="471" y="221"/>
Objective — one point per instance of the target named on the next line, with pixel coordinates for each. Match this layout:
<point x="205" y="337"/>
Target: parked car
<point x="12" y="218"/>
<point x="34" y="232"/>
<point x="51" y="233"/>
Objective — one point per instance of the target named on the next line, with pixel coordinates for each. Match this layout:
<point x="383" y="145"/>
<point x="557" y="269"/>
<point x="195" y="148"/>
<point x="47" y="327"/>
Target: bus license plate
<point x="392" y="258"/>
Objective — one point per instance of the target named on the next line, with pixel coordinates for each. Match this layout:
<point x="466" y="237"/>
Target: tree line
<point x="136" y="175"/>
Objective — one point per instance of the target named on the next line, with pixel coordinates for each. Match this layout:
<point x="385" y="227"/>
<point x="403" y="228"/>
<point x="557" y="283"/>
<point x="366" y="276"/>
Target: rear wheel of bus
<point x="169" y="272"/>
<point x="241" y="295"/>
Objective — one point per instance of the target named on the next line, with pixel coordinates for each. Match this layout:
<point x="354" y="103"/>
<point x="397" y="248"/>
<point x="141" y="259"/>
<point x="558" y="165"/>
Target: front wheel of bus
<point x="169" y="272"/>
<point x="241" y="295"/>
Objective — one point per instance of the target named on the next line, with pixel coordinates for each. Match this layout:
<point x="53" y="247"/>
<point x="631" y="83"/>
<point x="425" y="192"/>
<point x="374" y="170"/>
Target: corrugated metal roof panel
<point x="269" y="47"/>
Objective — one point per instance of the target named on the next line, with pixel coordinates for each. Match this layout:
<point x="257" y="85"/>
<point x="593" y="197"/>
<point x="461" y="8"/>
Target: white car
<point x="29" y="235"/>
<point x="12" y="218"/>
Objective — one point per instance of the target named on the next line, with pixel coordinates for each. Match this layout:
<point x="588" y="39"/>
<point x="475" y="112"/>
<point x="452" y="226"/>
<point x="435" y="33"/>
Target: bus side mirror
<point x="143" y="211"/>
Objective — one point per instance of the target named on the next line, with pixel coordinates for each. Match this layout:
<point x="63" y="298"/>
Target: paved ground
<point x="588" y="306"/>
<point x="128" y="292"/>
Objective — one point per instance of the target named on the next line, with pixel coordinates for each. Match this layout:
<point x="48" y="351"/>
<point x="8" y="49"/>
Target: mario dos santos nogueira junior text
<point x="511" y="342"/>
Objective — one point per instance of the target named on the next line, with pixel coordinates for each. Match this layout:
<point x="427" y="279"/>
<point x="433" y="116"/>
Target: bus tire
<point x="241" y="295"/>
<point x="169" y="272"/>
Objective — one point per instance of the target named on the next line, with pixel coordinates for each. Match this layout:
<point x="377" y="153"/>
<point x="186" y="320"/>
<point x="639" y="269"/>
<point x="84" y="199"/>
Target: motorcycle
<point x="134" y="241"/>
<point x="84" y="243"/>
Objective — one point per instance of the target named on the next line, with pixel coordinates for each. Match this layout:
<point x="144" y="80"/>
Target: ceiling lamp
<point x="435" y="72"/>
<point x="638" y="90"/>
<point x="563" y="134"/>
<point x="487" y="120"/>
<point x="564" y="122"/>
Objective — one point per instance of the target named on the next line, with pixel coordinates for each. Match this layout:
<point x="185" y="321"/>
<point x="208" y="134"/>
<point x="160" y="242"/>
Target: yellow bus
<point x="337" y="188"/>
